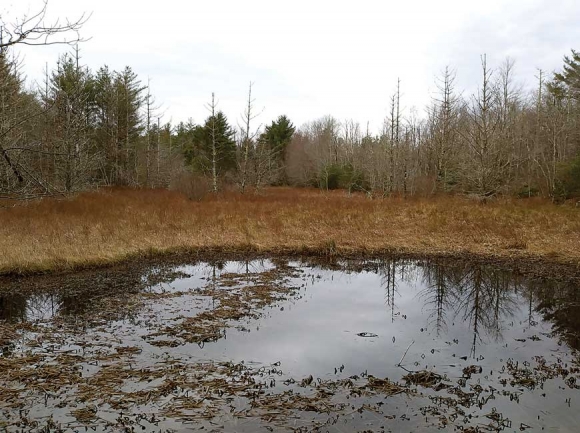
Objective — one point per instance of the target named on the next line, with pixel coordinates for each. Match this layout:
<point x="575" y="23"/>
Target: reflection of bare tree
<point x="484" y="297"/>
<point x="559" y="303"/>
<point x="256" y="266"/>
<point x="481" y="296"/>
<point x="439" y="283"/>
<point x="12" y="307"/>
<point x="504" y="286"/>
<point x="42" y="306"/>
<point x="389" y="281"/>
<point x="388" y="273"/>
<point x="213" y="269"/>
<point x="529" y="292"/>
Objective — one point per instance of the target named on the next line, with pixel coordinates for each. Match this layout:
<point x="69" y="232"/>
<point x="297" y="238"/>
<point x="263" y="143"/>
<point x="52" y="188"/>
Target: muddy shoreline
<point x="531" y="266"/>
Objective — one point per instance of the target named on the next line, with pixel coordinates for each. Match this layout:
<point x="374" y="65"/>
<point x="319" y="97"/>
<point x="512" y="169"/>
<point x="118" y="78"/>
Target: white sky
<point x="309" y="58"/>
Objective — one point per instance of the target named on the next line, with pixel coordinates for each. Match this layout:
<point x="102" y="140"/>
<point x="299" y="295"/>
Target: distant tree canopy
<point x="81" y="129"/>
<point x="568" y="183"/>
<point x="567" y="82"/>
<point x="72" y="98"/>
<point x="199" y="144"/>
<point x="184" y="138"/>
<point x="278" y="135"/>
<point x="119" y="98"/>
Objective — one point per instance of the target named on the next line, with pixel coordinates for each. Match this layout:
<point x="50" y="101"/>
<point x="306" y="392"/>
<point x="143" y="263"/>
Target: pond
<point x="296" y="345"/>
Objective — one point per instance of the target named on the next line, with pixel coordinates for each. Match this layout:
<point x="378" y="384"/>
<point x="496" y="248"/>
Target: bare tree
<point x="394" y="136"/>
<point x="213" y="136"/>
<point x="19" y="114"/>
<point x="34" y="29"/>
<point x="483" y="167"/>
<point x="247" y="141"/>
<point x="18" y="109"/>
<point x="325" y="149"/>
<point x="444" y="125"/>
<point x="152" y="132"/>
<point x="498" y="142"/>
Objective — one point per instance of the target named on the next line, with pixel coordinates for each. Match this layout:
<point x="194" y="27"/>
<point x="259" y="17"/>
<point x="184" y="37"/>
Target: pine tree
<point x="71" y="97"/>
<point x="272" y="146"/>
<point x="224" y="143"/>
<point x="185" y="140"/>
<point x="106" y="122"/>
<point x="567" y="82"/>
<point x="130" y="100"/>
<point x="278" y="135"/>
<point x="560" y="126"/>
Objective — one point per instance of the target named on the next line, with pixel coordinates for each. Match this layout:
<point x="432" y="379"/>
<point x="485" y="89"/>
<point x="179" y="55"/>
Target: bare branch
<point x="35" y="30"/>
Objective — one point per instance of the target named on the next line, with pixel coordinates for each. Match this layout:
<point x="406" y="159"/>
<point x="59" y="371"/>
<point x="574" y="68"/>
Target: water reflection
<point x="77" y="294"/>
<point x="12" y="306"/>
<point x="484" y="298"/>
<point x="438" y="283"/>
<point x="42" y="306"/>
<point x="388" y="273"/>
<point x="487" y="298"/>
<point x="342" y="319"/>
<point x="558" y="303"/>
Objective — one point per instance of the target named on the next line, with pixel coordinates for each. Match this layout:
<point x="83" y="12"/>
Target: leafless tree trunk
<point x="148" y="116"/>
<point x="247" y="141"/>
<point x="395" y="137"/>
<point x="213" y="133"/>
<point x="158" y="149"/>
<point x="444" y="124"/>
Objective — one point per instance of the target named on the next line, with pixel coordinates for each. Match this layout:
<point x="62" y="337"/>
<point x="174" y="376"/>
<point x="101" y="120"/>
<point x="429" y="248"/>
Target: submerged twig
<point x="405" y="354"/>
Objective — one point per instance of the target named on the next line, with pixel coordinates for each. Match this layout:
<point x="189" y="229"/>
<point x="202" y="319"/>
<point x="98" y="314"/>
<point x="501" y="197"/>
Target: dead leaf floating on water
<point x="307" y="381"/>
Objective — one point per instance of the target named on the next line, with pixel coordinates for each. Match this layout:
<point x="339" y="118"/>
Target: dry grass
<point x="108" y="226"/>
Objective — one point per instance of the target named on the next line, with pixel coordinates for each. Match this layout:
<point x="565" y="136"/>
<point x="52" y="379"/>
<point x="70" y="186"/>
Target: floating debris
<point x="427" y="379"/>
<point x="471" y="369"/>
<point x="385" y="386"/>
<point x="85" y="415"/>
<point x="367" y="334"/>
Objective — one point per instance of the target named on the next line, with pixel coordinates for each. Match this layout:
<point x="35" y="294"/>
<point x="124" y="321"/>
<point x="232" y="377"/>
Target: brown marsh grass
<point x="111" y="225"/>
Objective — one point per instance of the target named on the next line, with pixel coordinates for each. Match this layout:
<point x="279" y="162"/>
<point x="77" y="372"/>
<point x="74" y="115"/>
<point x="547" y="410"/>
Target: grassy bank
<point x="110" y="226"/>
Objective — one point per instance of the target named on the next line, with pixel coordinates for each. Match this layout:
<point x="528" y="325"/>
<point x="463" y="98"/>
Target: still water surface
<point x="345" y="319"/>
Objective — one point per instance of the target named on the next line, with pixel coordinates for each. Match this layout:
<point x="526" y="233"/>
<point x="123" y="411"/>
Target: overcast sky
<point x="310" y="58"/>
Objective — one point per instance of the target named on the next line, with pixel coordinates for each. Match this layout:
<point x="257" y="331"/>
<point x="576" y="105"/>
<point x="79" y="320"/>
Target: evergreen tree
<point x="106" y="122"/>
<point x="562" y="117"/>
<point x="567" y="82"/>
<point x="71" y="97"/>
<point x="129" y="102"/>
<point x="185" y="140"/>
<point x="277" y="136"/>
<point x="272" y="146"/>
<point x="225" y="144"/>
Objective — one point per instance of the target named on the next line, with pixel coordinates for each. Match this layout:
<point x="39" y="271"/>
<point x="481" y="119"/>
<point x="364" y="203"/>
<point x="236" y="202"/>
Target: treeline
<point x="78" y="130"/>
<point x="82" y="129"/>
<point x="500" y="140"/>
